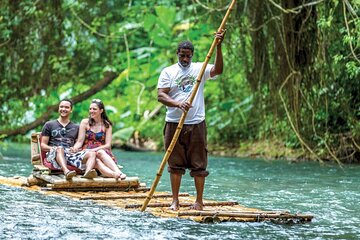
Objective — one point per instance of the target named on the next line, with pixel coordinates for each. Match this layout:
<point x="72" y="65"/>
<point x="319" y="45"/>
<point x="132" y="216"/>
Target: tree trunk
<point x="296" y="53"/>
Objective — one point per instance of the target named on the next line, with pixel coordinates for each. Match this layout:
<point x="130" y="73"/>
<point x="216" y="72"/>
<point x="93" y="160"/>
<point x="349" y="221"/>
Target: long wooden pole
<point x="183" y="116"/>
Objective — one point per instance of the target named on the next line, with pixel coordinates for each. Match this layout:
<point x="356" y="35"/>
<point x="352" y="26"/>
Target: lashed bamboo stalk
<point x="130" y="196"/>
<point x="216" y="212"/>
<point x="59" y="181"/>
<point x="154" y="205"/>
<point x="183" y="116"/>
<point x="93" y="183"/>
<point x="260" y="215"/>
<point x="95" y="189"/>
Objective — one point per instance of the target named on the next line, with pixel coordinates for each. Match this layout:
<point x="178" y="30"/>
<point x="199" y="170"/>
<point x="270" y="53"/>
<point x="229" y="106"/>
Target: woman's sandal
<point x="70" y="174"/>
<point x="120" y="176"/>
<point x="123" y="176"/>
<point x="90" y="174"/>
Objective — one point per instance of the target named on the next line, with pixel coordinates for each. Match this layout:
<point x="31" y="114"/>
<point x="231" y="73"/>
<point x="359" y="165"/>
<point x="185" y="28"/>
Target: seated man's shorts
<point x="190" y="151"/>
<point x="73" y="159"/>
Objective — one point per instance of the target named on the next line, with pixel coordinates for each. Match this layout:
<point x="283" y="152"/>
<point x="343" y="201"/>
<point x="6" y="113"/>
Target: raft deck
<point x="129" y="194"/>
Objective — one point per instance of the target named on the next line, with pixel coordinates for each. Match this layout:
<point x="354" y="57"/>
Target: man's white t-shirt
<point x="181" y="82"/>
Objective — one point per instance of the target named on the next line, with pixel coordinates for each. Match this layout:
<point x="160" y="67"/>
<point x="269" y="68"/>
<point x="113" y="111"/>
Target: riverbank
<point x="267" y="149"/>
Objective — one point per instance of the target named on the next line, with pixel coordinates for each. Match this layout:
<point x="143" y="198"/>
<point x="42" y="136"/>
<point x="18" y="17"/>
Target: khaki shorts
<point x="190" y="151"/>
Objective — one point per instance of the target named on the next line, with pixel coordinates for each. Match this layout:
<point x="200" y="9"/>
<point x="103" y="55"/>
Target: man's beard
<point x="184" y="64"/>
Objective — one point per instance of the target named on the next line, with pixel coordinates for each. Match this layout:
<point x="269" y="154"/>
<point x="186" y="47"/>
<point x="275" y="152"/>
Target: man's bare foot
<point x="174" y="205"/>
<point x="197" y="206"/>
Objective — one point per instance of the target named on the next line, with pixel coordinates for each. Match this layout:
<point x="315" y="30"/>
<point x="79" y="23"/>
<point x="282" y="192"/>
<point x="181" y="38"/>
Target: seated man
<point x="58" y="139"/>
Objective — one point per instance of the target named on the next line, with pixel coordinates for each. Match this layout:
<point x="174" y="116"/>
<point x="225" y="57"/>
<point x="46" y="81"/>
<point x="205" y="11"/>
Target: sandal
<point x="90" y="174"/>
<point x="120" y="176"/>
<point x="70" y="174"/>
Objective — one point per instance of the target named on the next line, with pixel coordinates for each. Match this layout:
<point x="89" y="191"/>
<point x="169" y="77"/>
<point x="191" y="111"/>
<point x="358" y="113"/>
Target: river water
<point x="328" y="192"/>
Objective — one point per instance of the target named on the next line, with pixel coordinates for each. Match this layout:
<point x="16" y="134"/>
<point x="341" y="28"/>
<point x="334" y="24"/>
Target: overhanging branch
<point x="108" y="78"/>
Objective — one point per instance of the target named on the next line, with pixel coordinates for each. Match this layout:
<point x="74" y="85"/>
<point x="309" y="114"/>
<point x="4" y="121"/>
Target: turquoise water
<point x="328" y="192"/>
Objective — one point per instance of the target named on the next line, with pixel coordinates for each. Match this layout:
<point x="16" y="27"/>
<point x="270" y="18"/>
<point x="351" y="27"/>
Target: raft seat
<point x="51" y="179"/>
<point x="38" y="157"/>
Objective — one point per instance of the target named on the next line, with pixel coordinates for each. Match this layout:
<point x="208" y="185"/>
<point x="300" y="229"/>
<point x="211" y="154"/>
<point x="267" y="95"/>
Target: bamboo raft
<point x="130" y="194"/>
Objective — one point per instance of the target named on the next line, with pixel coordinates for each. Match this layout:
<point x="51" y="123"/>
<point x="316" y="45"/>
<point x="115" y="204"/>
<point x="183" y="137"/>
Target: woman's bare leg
<point x="89" y="160"/>
<point x="108" y="161"/>
<point x="107" y="172"/>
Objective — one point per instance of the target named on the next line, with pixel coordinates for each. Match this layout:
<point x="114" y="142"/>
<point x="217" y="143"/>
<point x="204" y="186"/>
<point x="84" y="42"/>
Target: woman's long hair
<point x="104" y="117"/>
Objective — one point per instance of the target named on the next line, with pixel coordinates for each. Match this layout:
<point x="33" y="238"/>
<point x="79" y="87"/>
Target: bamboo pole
<point x="183" y="116"/>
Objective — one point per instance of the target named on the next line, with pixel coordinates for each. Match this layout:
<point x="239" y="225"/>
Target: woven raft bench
<point x="59" y="183"/>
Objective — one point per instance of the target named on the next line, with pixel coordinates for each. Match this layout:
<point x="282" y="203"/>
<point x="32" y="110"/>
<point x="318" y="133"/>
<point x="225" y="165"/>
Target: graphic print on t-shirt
<point x="61" y="136"/>
<point x="59" y="132"/>
<point x="185" y="83"/>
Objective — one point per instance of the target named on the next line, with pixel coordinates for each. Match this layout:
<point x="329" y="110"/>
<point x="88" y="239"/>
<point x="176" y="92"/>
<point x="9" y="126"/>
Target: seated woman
<point x="95" y="133"/>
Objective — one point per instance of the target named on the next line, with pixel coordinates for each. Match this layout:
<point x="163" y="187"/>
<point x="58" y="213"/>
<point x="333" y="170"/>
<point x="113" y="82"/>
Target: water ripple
<point x="329" y="193"/>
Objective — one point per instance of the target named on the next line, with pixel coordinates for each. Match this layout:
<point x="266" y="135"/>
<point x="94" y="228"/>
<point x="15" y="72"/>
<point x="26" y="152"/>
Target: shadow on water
<point x="329" y="193"/>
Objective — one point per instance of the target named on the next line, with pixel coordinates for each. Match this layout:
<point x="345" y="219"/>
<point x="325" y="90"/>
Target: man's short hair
<point x="67" y="100"/>
<point x="186" y="45"/>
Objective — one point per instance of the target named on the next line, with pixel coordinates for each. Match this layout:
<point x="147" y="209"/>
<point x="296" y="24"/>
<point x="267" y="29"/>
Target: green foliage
<point x="124" y="134"/>
<point x="52" y="50"/>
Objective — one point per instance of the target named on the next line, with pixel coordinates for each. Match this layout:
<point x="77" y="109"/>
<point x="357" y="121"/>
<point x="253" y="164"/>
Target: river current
<point x="328" y="192"/>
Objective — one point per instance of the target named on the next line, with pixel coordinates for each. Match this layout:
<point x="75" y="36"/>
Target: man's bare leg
<point x="175" y="187"/>
<point x="60" y="159"/>
<point x="199" y="185"/>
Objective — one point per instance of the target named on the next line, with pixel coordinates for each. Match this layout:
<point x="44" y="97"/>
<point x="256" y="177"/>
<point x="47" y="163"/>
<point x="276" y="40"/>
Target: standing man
<point x="175" y="85"/>
<point x="58" y="139"/>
